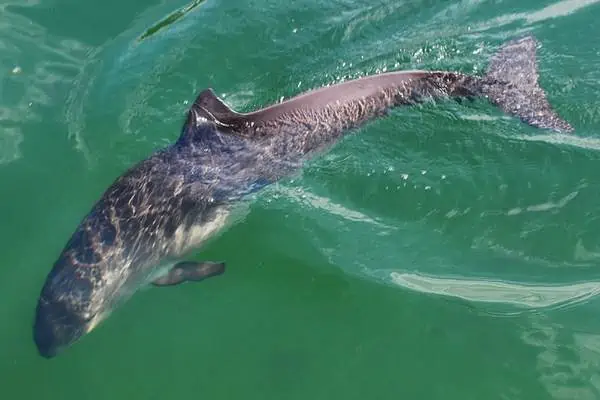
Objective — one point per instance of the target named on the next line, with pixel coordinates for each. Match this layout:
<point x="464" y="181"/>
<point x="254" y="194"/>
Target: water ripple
<point x="33" y="65"/>
<point x="568" y="360"/>
<point x="322" y="203"/>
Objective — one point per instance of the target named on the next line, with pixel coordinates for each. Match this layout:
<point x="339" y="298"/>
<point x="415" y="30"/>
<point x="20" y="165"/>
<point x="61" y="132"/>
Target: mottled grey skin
<point x="168" y="205"/>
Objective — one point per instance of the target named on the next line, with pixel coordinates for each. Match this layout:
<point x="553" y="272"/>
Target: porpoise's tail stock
<point x="511" y="83"/>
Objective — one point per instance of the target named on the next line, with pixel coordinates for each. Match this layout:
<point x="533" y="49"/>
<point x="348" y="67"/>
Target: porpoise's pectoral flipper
<point x="511" y="83"/>
<point x="190" y="271"/>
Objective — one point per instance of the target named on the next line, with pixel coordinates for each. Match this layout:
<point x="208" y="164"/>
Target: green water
<point x="445" y="252"/>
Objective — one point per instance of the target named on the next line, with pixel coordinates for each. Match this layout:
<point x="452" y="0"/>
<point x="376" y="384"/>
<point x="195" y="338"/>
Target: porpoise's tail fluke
<point x="511" y="83"/>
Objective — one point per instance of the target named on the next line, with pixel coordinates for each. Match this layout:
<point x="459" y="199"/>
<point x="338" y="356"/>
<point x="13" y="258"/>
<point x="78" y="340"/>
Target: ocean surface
<point x="447" y="251"/>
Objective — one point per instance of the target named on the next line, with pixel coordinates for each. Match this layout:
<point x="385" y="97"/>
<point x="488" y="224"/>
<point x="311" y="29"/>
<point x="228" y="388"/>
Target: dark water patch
<point x="170" y="19"/>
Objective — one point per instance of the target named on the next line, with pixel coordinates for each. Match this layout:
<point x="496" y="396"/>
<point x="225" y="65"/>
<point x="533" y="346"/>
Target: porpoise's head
<point x="82" y="287"/>
<point x="147" y="217"/>
<point x="59" y="321"/>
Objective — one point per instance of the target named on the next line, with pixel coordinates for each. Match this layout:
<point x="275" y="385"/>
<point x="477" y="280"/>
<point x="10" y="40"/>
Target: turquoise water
<point x="445" y="252"/>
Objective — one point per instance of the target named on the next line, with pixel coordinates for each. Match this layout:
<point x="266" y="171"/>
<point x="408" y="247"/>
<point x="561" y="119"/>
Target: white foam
<point x="521" y="295"/>
<point x="547" y="206"/>
<point x="589" y="143"/>
<point x="324" y="203"/>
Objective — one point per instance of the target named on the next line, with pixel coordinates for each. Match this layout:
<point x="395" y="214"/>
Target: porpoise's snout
<point x="55" y="327"/>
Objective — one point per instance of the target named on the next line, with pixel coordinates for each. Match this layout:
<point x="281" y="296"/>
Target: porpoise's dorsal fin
<point x="213" y="108"/>
<point x="208" y="109"/>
